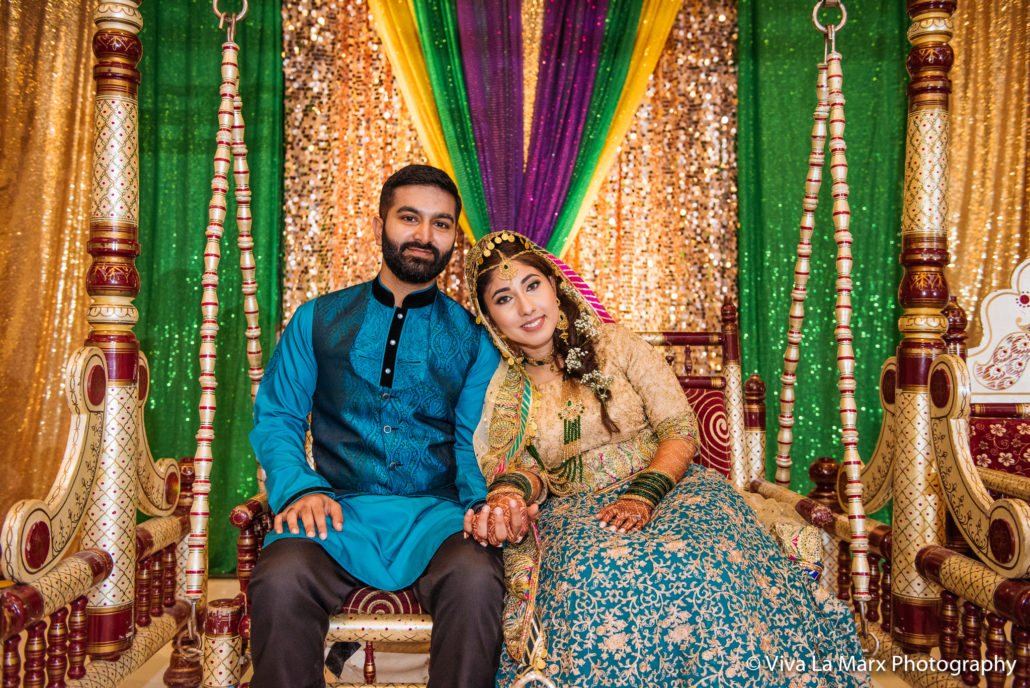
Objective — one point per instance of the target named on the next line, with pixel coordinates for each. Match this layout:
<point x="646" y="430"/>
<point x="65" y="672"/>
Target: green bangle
<point x="649" y="486"/>
<point x="516" y="480"/>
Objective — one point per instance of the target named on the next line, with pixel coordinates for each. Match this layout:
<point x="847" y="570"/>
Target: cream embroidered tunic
<point x="646" y="403"/>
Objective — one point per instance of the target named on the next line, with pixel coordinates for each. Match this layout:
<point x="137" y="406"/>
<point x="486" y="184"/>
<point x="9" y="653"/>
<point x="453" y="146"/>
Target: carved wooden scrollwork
<point x="876" y="474"/>
<point x="998" y="530"/>
<point x="37" y="533"/>
<point x="157" y="483"/>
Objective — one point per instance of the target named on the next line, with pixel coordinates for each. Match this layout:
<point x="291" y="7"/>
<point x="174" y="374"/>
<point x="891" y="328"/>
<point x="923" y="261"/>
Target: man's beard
<point x="414" y="270"/>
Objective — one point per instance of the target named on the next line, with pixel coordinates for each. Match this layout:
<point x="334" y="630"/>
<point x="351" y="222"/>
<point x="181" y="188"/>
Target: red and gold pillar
<point x="112" y="283"/>
<point x="919" y="512"/>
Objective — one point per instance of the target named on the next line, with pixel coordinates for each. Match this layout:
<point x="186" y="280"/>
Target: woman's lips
<point x="534" y="324"/>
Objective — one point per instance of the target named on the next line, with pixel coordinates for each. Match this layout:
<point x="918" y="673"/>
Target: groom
<point x="393" y="374"/>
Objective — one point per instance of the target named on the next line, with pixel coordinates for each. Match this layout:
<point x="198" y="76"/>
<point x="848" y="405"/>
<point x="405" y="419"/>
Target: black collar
<point x="416" y="299"/>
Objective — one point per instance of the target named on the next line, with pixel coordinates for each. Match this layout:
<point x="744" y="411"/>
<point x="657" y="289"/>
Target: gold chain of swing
<point x="231" y="151"/>
<point x="829" y="118"/>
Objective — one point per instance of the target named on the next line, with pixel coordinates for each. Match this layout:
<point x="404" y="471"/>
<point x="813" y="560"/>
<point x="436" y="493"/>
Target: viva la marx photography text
<point x="896" y="663"/>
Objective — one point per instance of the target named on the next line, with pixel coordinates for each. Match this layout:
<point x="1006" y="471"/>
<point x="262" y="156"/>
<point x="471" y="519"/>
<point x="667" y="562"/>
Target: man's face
<point x="417" y="234"/>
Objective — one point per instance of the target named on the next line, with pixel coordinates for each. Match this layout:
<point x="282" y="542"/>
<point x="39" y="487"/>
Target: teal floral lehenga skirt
<point x="702" y="596"/>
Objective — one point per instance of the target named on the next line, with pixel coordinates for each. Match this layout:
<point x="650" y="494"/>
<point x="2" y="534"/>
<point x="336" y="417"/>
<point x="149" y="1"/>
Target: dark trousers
<point x="296" y="586"/>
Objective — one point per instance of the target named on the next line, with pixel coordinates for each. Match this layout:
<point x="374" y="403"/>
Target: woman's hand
<point x="625" y="515"/>
<point x="504" y="518"/>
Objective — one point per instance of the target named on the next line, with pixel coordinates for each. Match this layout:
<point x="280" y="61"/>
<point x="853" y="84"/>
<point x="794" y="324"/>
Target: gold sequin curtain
<point x="660" y="244"/>
<point x="45" y="152"/>
<point x="664" y="222"/>
<point x="988" y="232"/>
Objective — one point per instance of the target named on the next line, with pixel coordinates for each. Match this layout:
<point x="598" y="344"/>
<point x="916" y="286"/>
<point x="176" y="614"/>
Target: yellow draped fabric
<point x="656" y="20"/>
<point x="46" y="116"/>
<point x="988" y="218"/>
<point x="395" y="21"/>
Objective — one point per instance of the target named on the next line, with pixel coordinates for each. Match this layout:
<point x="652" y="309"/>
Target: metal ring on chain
<point x="222" y="16"/>
<point x="815" y="15"/>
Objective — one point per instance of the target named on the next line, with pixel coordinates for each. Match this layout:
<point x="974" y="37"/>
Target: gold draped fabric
<point x="45" y="157"/>
<point x="660" y="242"/>
<point x="664" y="220"/>
<point x="346" y="131"/>
<point x="988" y="232"/>
<point x="655" y="227"/>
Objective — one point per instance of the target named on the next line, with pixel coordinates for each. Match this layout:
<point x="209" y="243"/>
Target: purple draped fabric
<point x="491" y="50"/>
<point x="573" y="31"/>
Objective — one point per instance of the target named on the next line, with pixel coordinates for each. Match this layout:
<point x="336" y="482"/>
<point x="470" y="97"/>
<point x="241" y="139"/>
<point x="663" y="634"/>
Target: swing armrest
<point x="243" y="515"/>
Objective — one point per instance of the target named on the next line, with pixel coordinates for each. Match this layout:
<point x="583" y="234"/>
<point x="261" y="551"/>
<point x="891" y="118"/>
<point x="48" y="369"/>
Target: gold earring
<point x="563" y="326"/>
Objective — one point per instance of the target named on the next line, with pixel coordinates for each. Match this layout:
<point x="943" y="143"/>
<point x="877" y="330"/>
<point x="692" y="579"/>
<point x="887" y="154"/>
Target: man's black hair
<point x="417" y="175"/>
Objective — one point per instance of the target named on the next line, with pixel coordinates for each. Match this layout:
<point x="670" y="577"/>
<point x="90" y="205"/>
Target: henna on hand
<point x="625" y="515"/>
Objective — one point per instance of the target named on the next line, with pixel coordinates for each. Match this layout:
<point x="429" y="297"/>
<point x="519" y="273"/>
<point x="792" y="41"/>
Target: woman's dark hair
<point x="588" y="358"/>
<point x="417" y="175"/>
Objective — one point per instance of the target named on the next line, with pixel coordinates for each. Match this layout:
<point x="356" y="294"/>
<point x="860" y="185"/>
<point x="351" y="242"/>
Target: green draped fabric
<point x="779" y="50"/>
<point x="620" y="32"/>
<point x="441" y="47"/>
<point x="178" y="118"/>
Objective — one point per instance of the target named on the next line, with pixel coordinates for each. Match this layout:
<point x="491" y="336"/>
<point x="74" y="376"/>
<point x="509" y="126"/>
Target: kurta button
<point x="387" y="371"/>
<point x="400" y="316"/>
<point x="387" y="429"/>
<point x="393" y="342"/>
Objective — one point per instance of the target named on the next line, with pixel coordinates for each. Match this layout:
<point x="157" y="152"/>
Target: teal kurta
<point x="394" y="395"/>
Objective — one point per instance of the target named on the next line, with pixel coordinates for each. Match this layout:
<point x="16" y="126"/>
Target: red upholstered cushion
<point x="710" y="409"/>
<point x="372" y="601"/>
<point x="1001" y="443"/>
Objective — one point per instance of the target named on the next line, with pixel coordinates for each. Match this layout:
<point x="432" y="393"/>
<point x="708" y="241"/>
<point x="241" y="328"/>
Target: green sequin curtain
<point x="779" y="51"/>
<point x="441" y="48"/>
<point x="179" y="102"/>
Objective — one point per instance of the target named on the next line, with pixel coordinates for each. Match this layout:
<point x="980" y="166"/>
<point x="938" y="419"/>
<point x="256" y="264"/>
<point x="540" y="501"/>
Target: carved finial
<point x="823" y="473"/>
<point x="754" y="389"/>
<point x="729" y="312"/>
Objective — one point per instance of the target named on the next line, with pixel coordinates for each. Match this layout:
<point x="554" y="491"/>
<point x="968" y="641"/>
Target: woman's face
<point x="524" y="309"/>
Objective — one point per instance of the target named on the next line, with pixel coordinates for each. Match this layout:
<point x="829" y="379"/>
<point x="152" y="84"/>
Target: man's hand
<point x="312" y="510"/>
<point x="503" y="518"/>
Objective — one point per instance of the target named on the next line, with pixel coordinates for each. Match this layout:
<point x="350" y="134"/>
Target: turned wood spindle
<point x="872" y="613"/>
<point x="949" y="625"/>
<point x="168" y="589"/>
<point x="995" y="649"/>
<point x="972" y="617"/>
<point x="246" y="558"/>
<point x="923" y="294"/>
<point x="843" y="571"/>
<point x="57" y="649"/>
<point x="157" y="580"/>
<point x="12" y="662"/>
<point x="77" y="639"/>
<point x="1021" y="653"/>
<point x="955" y="337"/>
<point x="35" y="656"/>
<point x="370" y="663"/>
<point x="112" y="283"/>
<point x="143" y="592"/>
<point x="885" y="596"/>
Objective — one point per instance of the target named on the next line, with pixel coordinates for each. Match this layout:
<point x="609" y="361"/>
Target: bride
<point x="643" y="569"/>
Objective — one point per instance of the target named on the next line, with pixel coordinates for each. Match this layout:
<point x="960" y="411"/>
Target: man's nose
<point x="424" y="232"/>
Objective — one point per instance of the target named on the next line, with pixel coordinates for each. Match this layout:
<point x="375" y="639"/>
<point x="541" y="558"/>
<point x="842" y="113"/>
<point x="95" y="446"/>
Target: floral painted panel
<point x="1001" y="443"/>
